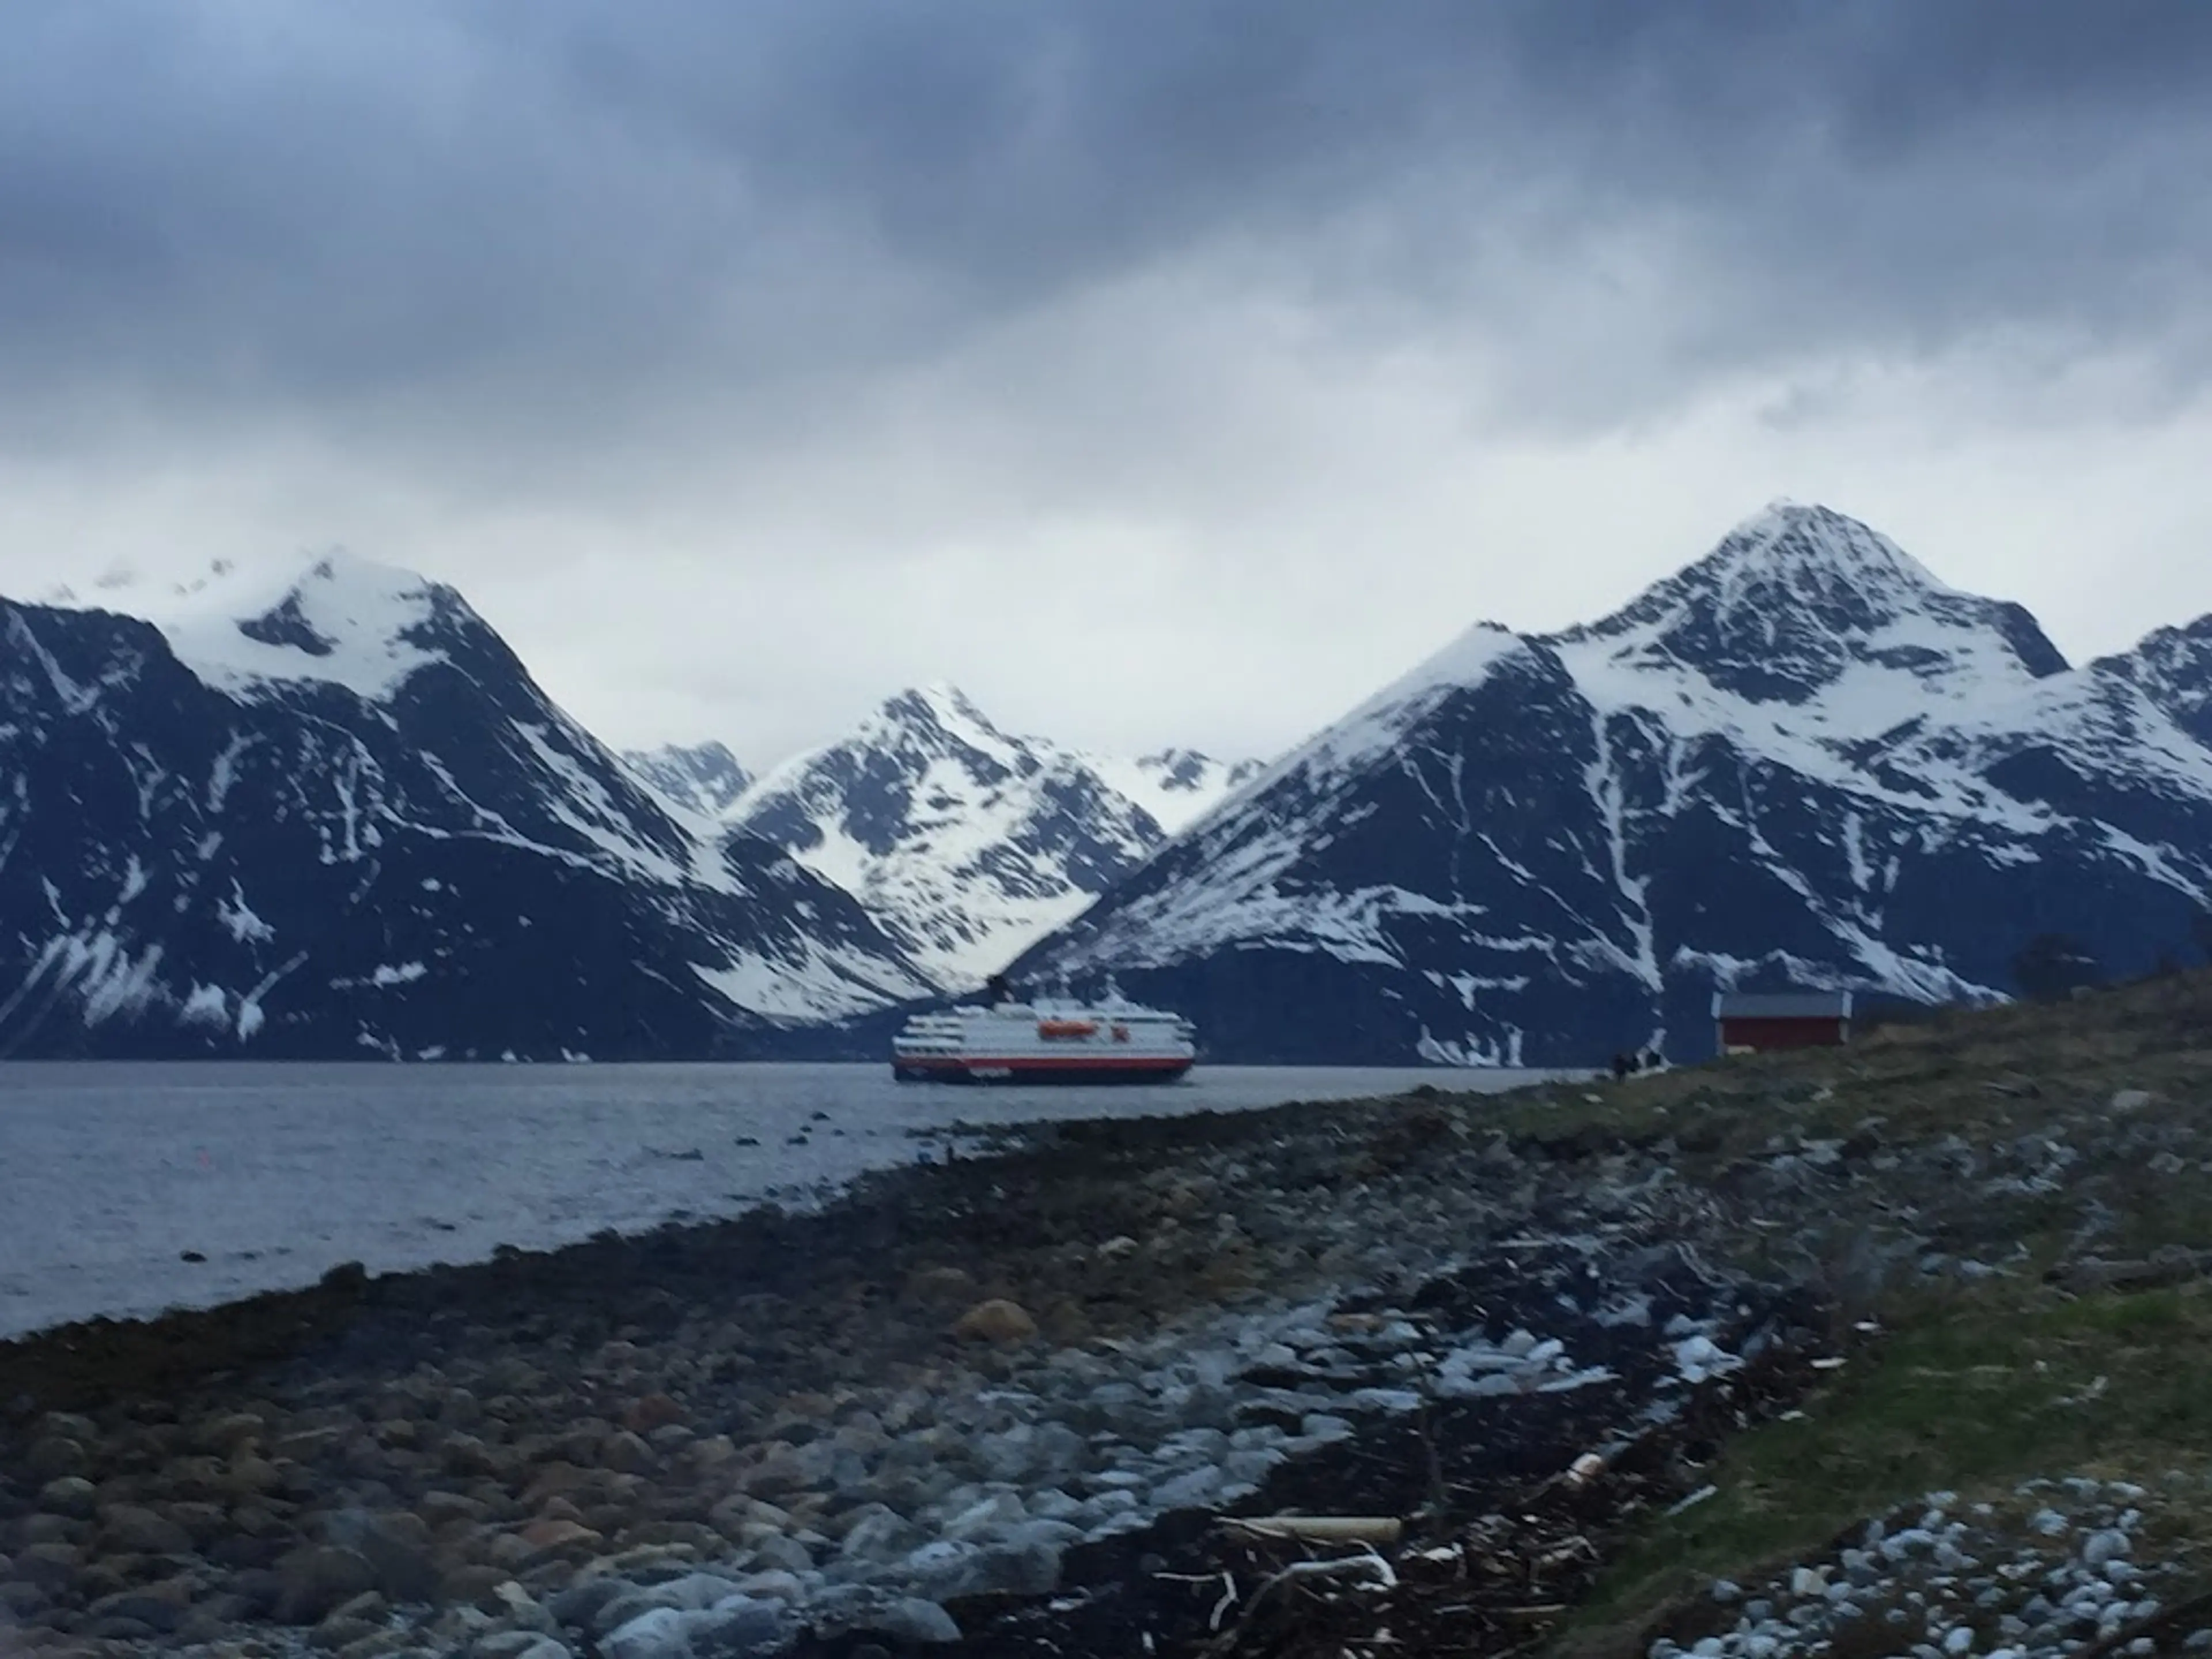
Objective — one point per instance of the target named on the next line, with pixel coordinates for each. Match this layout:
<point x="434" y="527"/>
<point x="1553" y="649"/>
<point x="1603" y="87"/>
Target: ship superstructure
<point x="1059" y="1040"/>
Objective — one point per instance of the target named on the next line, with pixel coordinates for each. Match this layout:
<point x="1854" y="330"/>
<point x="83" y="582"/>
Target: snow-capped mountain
<point x="2172" y="668"/>
<point x="700" y="777"/>
<point x="1803" y="760"/>
<point x="327" y="811"/>
<point x="965" y="842"/>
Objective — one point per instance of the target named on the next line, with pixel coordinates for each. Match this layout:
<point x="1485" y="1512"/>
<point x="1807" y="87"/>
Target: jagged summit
<point x="1797" y="597"/>
<point x="2172" y="668"/>
<point x="905" y="732"/>
<point x="937" y="703"/>
<point x="939" y="713"/>
<point x="1802" y="761"/>
<point x="1821" y="554"/>
<point x="1788" y="558"/>
<point x="965" y="841"/>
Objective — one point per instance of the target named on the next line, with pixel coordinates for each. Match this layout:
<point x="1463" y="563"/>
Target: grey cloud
<point x="779" y="291"/>
<point x="249" y="201"/>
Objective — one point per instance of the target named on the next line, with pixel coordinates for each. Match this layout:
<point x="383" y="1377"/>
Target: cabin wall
<point x="1810" y="1032"/>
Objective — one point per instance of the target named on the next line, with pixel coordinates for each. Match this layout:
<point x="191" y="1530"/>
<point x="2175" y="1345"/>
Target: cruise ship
<point x="1058" y="1041"/>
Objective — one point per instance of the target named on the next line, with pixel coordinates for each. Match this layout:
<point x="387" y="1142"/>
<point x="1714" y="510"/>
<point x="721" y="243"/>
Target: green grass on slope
<point x="1974" y="1395"/>
<point x="1975" y="1386"/>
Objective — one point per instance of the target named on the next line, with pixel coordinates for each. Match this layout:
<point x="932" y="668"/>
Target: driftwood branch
<point x="1319" y="1528"/>
<point x="1366" y="1561"/>
<point x="1228" y="1601"/>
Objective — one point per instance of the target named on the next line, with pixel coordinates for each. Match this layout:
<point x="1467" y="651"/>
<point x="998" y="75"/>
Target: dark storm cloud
<point x="745" y="359"/>
<point x="547" y="208"/>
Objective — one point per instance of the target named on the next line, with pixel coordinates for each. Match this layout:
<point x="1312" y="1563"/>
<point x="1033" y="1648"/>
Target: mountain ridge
<point x="964" y="841"/>
<point x="338" y="816"/>
<point x="331" y="813"/>
<point x="1537" y="849"/>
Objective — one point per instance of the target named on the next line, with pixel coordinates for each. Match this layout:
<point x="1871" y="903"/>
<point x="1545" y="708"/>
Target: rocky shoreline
<point x="956" y="1393"/>
<point x="1019" y="1403"/>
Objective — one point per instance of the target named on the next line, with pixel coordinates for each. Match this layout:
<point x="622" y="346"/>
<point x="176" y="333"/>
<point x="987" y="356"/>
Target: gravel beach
<point x="1042" y="1398"/>
<point x="962" y="1385"/>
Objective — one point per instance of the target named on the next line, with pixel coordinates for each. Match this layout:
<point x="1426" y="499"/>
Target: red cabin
<point x="1751" y="1022"/>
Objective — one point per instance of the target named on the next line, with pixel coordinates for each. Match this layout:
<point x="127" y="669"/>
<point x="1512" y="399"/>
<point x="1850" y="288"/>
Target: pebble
<point x="913" y="1620"/>
<point x="2047" y="1598"/>
<point x="997" y="1321"/>
<point x="2104" y="1545"/>
<point x="520" y="1645"/>
<point x="734" y="1629"/>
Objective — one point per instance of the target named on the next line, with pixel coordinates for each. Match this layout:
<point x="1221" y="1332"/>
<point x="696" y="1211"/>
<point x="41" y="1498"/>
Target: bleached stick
<point x="1320" y="1528"/>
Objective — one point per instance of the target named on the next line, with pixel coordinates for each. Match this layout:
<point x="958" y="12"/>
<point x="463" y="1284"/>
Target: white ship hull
<point x="1056" y="1043"/>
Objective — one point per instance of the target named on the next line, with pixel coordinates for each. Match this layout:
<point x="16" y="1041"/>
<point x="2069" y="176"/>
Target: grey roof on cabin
<point x="1782" y="1004"/>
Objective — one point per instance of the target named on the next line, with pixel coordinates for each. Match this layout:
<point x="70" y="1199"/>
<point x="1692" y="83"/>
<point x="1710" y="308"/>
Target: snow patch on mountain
<point x="333" y="618"/>
<point x="1369" y="731"/>
<point x="809" y="983"/>
<point x="1176" y="786"/>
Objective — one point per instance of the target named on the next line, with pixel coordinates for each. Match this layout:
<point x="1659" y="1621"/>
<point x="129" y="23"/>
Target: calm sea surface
<point x="109" y="1174"/>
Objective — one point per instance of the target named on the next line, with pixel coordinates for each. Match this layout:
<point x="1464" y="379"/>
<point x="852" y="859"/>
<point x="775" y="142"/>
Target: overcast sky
<point x="1157" y="370"/>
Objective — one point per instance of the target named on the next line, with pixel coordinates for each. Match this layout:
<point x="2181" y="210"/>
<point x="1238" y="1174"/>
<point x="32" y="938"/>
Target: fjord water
<point x="110" y="1173"/>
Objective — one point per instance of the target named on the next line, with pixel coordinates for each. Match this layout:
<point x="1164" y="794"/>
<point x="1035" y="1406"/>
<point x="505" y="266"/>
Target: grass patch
<point x="1973" y="1392"/>
<point x="1879" y="1173"/>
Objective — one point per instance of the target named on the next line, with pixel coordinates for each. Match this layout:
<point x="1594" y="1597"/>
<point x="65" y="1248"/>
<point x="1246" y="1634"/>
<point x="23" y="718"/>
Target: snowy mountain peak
<point x="1797" y="597"/>
<point x="1789" y="557"/>
<point x="1807" y="541"/>
<point x="941" y="719"/>
<point x="1369" y="730"/>
<point x="2172" y="667"/>
<point x="701" y="777"/>
<point x="1802" y="762"/>
<point x="245" y="819"/>
<point x="938" y="700"/>
<point x="964" y="840"/>
<point x="333" y="618"/>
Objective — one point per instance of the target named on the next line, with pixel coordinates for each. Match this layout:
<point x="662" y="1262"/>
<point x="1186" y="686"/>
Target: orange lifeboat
<point x="1066" y="1028"/>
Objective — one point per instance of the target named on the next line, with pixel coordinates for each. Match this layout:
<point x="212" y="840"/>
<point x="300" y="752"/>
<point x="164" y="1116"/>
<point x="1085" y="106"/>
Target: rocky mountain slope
<point x="1802" y="760"/>
<point x="329" y="813"/>
<point x="701" y="777"/>
<point x="966" y="843"/>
